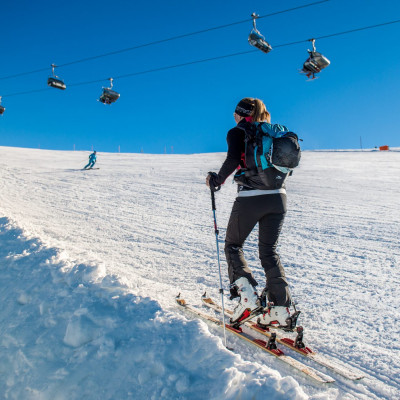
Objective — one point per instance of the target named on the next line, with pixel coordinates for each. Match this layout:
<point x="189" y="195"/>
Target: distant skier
<point x="255" y="203"/>
<point x="92" y="161"/>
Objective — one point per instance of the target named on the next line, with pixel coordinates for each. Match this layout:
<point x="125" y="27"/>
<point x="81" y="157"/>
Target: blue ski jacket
<point x="92" y="157"/>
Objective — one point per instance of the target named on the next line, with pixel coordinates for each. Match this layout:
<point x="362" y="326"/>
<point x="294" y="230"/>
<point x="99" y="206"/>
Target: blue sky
<point x="190" y="109"/>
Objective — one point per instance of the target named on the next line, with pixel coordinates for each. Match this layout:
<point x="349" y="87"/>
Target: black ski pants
<point x="269" y="212"/>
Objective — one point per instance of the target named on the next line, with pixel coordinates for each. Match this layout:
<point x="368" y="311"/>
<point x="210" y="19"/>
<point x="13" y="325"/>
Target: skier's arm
<point x="235" y="140"/>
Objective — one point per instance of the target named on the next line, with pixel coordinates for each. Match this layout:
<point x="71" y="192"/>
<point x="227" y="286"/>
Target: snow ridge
<point x="68" y="334"/>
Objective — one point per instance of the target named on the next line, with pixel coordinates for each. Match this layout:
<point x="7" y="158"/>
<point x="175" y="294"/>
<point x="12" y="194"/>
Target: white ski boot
<point x="278" y="317"/>
<point x="249" y="303"/>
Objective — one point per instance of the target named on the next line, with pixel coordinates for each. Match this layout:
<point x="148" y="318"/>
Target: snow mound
<point x="68" y="333"/>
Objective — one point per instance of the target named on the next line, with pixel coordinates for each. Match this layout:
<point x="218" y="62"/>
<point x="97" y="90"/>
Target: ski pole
<point x="221" y="290"/>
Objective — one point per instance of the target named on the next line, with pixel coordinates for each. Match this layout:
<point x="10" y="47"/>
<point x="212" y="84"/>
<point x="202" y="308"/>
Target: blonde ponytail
<point x="260" y="112"/>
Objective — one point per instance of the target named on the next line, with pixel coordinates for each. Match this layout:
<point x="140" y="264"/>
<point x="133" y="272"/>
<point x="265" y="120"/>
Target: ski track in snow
<point x="91" y="262"/>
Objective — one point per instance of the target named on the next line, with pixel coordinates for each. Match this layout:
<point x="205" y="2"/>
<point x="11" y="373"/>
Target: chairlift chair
<point x="109" y="96"/>
<point x="54" y="81"/>
<point x="256" y="39"/>
<point x="2" y="109"/>
<point x="314" y="63"/>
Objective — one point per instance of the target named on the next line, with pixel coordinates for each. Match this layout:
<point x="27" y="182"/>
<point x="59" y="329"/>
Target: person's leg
<point x="86" y="166"/>
<point x="241" y="223"/>
<point x="269" y="229"/>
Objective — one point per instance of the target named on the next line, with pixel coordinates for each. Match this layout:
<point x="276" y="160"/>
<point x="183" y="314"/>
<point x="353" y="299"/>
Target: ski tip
<point x="355" y="377"/>
<point x="207" y="300"/>
<point x="181" y="302"/>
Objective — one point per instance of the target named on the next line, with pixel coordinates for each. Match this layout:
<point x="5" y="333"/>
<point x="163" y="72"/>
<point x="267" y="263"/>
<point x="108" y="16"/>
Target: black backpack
<point x="271" y="152"/>
<point x="285" y="151"/>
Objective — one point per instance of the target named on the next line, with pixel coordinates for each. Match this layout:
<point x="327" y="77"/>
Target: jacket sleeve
<point x="235" y="140"/>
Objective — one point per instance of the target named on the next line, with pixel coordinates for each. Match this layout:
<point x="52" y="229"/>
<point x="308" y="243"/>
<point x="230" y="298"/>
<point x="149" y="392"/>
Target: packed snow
<point x="91" y="262"/>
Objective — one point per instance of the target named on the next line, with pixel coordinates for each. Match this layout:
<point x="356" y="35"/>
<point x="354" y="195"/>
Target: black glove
<point x="214" y="182"/>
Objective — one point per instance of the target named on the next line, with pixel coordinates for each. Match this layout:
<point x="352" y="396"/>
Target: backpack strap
<point x="250" y="133"/>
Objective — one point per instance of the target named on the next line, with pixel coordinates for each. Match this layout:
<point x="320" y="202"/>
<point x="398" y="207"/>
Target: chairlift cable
<point x="339" y="33"/>
<point x="357" y="29"/>
<point x="140" y="72"/>
<point x="24" y="73"/>
<point x="188" y="34"/>
<point x="209" y="59"/>
<point x="162" y="40"/>
<point x="27" y="92"/>
<point x="166" y="68"/>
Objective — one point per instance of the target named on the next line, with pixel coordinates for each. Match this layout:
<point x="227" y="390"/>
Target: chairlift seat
<point x="56" y="83"/>
<point x="258" y="40"/>
<point x="2" y="109"/>
<point x="320" y="60"/>
<point x="311" y="66"/>
<point x="109" y="96"/>
<point x="315" y="63"/>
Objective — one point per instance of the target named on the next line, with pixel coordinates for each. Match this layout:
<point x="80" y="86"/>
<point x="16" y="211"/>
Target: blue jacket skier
<point x="92" y="161"/>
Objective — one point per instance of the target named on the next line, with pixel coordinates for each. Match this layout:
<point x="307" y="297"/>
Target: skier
<point x="255" y="203"/>
<point x="92" y="161"/>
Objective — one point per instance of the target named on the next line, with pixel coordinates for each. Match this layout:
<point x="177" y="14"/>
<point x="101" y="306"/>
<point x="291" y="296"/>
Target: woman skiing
<point x="256" y="203"/>
<point x="92" y="161"/>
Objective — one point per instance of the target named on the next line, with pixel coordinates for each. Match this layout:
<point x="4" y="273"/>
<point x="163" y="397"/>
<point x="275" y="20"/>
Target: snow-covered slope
<point x="90" y="263"/>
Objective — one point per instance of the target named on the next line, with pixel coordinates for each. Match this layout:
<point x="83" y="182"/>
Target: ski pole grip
<point x="213" y="199"/>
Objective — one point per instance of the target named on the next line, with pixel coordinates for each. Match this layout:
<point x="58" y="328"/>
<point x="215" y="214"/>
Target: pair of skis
<point x="266" y="340"/>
